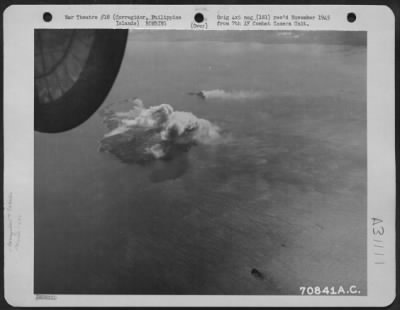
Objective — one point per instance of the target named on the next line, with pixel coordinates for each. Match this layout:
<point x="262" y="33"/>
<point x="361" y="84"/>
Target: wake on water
<point x="220" y="94"/>
<point x="141" y="135"/>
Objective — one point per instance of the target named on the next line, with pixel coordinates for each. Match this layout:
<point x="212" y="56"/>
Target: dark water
<point x="285" y="195"/>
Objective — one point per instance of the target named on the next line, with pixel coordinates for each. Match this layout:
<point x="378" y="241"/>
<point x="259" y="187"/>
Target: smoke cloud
<point x="141" y="134"/>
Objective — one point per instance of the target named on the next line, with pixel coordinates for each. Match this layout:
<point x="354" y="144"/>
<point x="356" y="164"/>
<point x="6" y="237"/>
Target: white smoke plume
<point x="221" y="94"/>
<point x="142" y="134"/>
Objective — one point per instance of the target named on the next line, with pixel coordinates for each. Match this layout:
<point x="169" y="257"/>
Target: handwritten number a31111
<point x="378" y="232"/>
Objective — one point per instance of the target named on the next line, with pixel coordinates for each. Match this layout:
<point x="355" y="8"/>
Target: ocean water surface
<point x="284" y="192"/>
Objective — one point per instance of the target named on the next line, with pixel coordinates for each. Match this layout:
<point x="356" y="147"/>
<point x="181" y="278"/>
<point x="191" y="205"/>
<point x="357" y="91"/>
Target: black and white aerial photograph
<point x="179" y="162"/>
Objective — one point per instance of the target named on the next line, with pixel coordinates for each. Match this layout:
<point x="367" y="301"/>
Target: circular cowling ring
<point x="84" y="97"/>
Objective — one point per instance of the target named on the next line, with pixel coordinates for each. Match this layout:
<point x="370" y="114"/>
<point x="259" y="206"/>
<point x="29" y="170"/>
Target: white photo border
<point x="19" y="24"/>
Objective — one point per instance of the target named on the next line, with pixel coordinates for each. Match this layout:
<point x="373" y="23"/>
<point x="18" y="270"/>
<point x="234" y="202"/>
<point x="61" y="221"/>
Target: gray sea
<point x="285" y="194"/>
